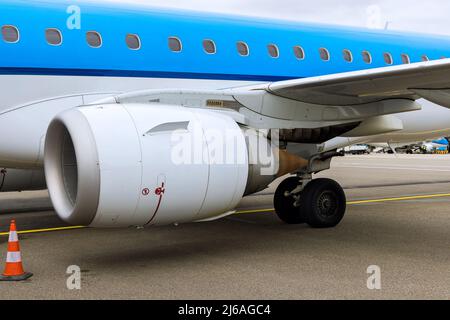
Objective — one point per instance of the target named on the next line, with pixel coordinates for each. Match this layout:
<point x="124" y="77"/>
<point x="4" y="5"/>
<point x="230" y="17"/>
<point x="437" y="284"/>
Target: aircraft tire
<point x="284" y="205"/>
<point x="323" y="203"/>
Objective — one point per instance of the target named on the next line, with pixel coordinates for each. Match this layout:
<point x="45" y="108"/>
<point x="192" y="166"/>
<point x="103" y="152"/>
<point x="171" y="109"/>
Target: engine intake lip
<point x="72" y="168"/>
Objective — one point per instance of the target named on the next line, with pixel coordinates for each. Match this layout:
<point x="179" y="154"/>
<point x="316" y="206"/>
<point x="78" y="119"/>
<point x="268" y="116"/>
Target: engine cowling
<point x="135" y="165"/>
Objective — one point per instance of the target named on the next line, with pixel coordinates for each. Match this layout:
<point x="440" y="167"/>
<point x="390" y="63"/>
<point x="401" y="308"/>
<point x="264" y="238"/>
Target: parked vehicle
<point x="358" y="149"/>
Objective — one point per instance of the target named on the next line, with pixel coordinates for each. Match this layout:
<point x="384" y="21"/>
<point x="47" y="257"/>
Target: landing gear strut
<point x="321" y="203"/>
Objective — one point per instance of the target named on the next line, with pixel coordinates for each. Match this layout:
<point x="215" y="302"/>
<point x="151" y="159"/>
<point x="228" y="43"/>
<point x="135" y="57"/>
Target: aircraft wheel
<point x="284" y="204"/>
<point x="323" y="203"/>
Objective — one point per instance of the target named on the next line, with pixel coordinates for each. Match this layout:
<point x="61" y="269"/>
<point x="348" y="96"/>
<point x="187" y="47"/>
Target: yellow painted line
<point x="430" y="196"/>
<point x="44" y="230"/>
<point x="255" y="211"/>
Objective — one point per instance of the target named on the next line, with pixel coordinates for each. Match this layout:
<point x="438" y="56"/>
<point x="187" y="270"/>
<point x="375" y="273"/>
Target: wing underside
<point x="430" y="80"/>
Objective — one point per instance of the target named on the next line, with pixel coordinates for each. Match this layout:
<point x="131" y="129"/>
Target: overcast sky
<point x="430" y="16"/>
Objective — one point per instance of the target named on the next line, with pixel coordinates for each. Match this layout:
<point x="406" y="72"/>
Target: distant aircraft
<point x="441" y="144"/>
<point x="100" y="94"/>
<point x="438" y="144"/>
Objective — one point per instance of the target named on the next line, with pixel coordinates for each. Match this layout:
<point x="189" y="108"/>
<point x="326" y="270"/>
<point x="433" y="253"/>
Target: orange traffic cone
<point x="14" y="269"/>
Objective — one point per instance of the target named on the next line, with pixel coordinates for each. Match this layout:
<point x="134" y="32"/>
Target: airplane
<point x="98" y="101"/>
<point x="430" y="146"/>
<point x="441" y="144"/>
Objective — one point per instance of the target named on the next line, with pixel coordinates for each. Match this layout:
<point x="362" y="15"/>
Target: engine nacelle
<point x="136" y="165"/>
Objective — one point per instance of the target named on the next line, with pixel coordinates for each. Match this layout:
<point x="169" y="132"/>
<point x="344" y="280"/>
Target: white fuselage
<point x="29" y="102"/>
<point x="20" y="92"/>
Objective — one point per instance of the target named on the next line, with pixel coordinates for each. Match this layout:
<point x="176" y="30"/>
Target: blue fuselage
<point x="33" y="55"/>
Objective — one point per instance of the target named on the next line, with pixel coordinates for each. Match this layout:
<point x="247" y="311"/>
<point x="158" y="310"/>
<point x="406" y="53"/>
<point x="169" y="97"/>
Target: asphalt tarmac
<point x="398" y="220"/>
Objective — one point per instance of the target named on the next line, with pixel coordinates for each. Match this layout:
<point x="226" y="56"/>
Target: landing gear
<point x="321" y="203"/>
<point x="287" y="203"/>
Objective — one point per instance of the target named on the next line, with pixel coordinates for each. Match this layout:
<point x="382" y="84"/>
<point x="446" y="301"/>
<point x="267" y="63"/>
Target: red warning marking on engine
<point x="159" y="192"/>
<point x="146" y="192"/>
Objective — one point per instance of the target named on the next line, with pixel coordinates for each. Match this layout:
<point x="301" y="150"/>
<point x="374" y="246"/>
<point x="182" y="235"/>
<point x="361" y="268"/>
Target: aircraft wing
<point x="429" y="80"/>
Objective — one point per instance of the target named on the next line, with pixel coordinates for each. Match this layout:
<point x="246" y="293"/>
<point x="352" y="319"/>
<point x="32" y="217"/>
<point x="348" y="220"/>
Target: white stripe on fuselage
<point x="18" y="90"/>
<point x="432" y="121"/>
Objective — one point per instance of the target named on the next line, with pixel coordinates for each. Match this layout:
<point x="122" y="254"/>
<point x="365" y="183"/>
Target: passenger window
<point x="406" y="59"/>
<point x="324" y="54"/>
<point x="243" y="49"/>
<point x="388" y="58"/>
<point x="348" y="56"/>
<point x="273" y="51"/>
<point x="133" y="41"/>
<point x="367" y="57"/>
<point x="53" y="37"/>
<point x="299" y="53"/>
<point x="94" y="39"/>
<point x="209" y="46"/>
<point x="10" y="34"/>
<point x="175" y="44"/>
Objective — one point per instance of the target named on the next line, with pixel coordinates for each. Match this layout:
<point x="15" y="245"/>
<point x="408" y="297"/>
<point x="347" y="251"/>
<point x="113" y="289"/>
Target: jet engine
<point x="119" y="165"/>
